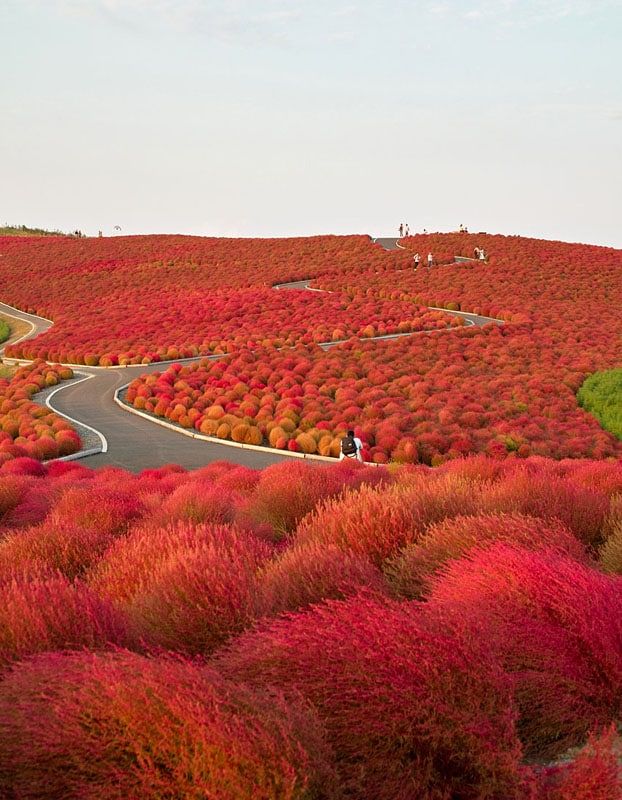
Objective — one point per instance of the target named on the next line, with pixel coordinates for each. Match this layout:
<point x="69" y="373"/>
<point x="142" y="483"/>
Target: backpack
<point x="348" y="446"/>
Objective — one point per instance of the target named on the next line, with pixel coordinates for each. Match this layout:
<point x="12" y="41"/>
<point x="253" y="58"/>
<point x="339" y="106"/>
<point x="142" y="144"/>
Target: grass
<point x="601" y="395"/>
<point x="16" y="327"/>
<point x="24" y="230"/>
<point x="7" y="371"/>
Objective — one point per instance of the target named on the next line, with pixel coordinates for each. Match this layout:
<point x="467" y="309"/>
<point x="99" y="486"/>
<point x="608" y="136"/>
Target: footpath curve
<point x="134" y="441"/>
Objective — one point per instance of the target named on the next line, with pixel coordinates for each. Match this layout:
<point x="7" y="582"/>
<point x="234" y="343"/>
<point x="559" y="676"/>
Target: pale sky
<point x="277" y="117"/>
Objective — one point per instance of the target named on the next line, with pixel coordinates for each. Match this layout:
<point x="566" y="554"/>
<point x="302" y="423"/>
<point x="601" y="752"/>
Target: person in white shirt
<point x="407" y="230"/>
<point x="430" y="259"/>
<point x="351" y="447"/>
<point x="417" y="259"/>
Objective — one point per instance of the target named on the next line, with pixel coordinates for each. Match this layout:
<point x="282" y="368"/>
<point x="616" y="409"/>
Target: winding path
<point x="134" y="442"/>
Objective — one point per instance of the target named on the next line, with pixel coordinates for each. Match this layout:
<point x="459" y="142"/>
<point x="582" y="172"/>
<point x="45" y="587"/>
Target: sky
<point x="301" y="117"/>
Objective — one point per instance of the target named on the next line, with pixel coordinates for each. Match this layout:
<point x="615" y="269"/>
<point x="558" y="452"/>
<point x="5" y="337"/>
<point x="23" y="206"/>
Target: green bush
<point x="601" y="395"/>
<point x="5" y="331"/>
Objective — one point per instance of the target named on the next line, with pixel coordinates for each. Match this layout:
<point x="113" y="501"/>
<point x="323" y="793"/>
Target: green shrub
<point x="5" y="331"/>
<point x="601" y="395"/>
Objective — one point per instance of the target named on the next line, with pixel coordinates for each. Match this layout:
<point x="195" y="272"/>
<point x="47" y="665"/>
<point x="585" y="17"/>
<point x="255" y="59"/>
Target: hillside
<point x="24" y="230"/>
<point x="506" y="390"/>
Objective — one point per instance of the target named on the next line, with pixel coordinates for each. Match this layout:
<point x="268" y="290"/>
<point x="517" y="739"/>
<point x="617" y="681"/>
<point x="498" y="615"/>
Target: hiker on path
<point x="430" y="260"/>
<point x="351" y="447"/>
<point x="482" y="254"/>
<point x="477" y="252"/>
<point x="417" y="259"/>
<point x="401" y="229"/>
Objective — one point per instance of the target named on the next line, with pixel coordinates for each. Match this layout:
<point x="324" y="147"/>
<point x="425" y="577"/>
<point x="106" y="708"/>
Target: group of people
<point x="404" y="230"/>
<point x="417" y="260"/>
<point x="480" y="254"/>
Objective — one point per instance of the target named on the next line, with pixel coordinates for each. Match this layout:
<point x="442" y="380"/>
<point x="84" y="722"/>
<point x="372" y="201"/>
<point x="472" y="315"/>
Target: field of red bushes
<point x="311" y="632"/>
<point x="147" y="298"/>
<point x="421" y="399"/>
<point x="28" y="429"/>
<point x="503" y="391"/>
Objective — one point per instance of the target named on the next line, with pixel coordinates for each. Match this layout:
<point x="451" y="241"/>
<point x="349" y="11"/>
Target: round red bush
<point x="411" y="710"/>
<point x="116" y="726"/>
<point x="412" y="569"/>
<point x="314" y="572"/>
<point x="185" y="588"/>
<point x="50" y="613"/>
<point x="556" y="626"/>
<point x="594" y="773"/>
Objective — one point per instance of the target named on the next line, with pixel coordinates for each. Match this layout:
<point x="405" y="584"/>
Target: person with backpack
<point x="351" y="447"/>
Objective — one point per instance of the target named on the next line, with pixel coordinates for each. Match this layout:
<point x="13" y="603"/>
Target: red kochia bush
<point x="594" y="774"/>
<point x="197" y="501"/>
<point x="97" y="507"/>
<point x="65" y="547"/>
<point x="49" y="613"/>
<point x="118" y="726"/>
<point x="133" y="560"/>
<point x="287" y="491"/>
<point x="411" y="570"/>
<point x="554" y="623"/>
<point x="196" y="598"/>
<point x="379" y="521"/>
<point x="411" y="710"/>
<point x="582" y="509"/>
<point x="314" y="572"/>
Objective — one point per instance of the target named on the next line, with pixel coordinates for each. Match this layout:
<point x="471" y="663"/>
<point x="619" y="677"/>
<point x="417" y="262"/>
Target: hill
<point x="24" y="230"/>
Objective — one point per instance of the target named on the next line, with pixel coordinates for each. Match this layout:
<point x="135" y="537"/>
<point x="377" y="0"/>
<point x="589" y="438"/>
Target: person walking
<point x="351" y="447"/>
<point x="416" y="259"/>
<point x="401" y="229"/>
<point x="482" y="254"/>
<point x="407" y="230"/>
<point x="430" y="260"/>
<point x="477" y="251"/>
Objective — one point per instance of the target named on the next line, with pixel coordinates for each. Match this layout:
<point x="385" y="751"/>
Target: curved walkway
<point x="134" y="442"/>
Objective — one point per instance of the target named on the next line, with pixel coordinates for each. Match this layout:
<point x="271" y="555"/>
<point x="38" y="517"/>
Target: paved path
<point x="134" y="443"/>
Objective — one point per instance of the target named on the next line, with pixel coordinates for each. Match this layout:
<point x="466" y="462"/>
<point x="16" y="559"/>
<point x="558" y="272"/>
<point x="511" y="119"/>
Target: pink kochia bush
<point x="556" y="626"/>
<point x="286" y="492"/>
<point x="297" y="583"/>
<point x="594" y="774"/>
<point x="62" y="546"/>
<point x="377" y="521"/>
<point x="411" y="571"/>
<point x="411" y="710"/>
<point x="118" y="726"/>
<point x="313" y="572"/>
<point x="201" y="591"/>
<point x="49" y="613"/>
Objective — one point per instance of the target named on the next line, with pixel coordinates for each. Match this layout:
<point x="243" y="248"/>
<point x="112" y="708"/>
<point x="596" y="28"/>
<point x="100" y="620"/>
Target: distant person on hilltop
<point x="407" y="230"/>
<point x="401" y="230"/>
<point x="351" y="447"/>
